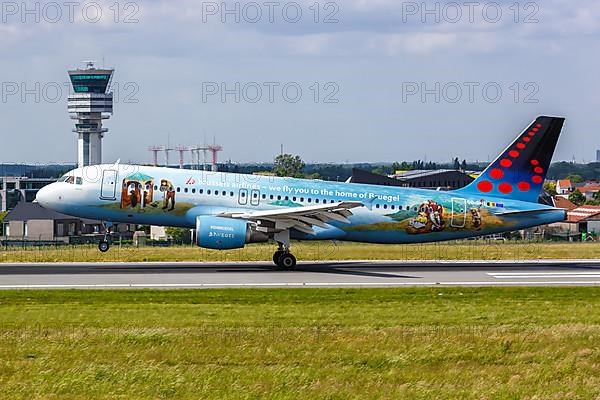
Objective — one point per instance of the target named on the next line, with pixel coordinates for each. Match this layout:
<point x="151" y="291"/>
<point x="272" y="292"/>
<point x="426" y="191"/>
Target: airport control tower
<point x="89" y="104"/>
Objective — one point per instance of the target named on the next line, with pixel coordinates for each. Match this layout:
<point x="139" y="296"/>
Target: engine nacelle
<point x="225" y="233"/>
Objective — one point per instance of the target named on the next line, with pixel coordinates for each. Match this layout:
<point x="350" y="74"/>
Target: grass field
<point x="466" y="250"/>
<point x="428" y="343"/>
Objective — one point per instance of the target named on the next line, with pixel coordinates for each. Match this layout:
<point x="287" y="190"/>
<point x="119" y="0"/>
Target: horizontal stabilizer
<point x="515" y="213"/>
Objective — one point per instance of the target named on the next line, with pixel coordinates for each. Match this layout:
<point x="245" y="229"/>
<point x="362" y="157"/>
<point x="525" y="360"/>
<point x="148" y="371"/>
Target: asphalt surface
<point x="307" y="274"/>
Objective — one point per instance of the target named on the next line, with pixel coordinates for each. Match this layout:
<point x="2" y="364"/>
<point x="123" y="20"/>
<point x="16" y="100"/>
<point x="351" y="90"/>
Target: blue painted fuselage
<point x="175" y="197"/>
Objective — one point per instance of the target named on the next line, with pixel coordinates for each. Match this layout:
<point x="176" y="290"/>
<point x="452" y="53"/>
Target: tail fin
<point x="519" y="172"/>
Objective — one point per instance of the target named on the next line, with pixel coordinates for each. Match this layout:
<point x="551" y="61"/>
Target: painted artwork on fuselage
<point x="137" y="191"/>
<point x="137" y="194"/>
<point x="430" y="218"/>
<point x="168" y="190"/>
<point x="436" y="217"/>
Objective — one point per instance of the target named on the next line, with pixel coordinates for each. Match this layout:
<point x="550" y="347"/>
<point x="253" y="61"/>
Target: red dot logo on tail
<point x="496" y="173"/>
<point x="505" y="188"/>
<point x="485" y="186"/>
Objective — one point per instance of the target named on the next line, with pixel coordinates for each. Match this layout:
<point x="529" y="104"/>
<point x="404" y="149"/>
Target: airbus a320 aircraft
<point x="229" y="211"/>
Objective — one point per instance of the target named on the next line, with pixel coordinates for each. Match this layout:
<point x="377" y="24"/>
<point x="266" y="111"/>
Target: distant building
<point x="90" y="103"/>
<point x="425" y="179"/>
<point x="16" y="189"/>
<point x="30" y="222"/>
<point x="561" y="202"/>
<point x="588" y="189"/>
<point x="584" y="219"/>
<point x="158" y="233"/>
<point x="564" y="186"/>
<point x="597" y="155"/>
<point x="433" y="179"/>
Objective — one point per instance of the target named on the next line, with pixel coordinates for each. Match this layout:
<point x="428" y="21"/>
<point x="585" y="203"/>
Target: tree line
<point x="293" y="165"/>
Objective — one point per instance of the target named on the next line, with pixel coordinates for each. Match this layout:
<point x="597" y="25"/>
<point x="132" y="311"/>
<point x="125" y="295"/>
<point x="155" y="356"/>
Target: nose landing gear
<point x="104" y="244"/>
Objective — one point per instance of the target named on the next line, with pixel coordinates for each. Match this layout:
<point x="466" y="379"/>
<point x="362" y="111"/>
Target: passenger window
<point x="271" y="197"/>
<point x="376" y="205"/>
<point x="224" y="193"/>
<point x="208" y="191"/>
<point x="317" y="201"/>
<point x="185" y="190"/>
<point x="231" y="194"/>
<point x="264" y="196"/>
<point x="278" y="197"/>
<point x="201" y="191"/>
<point x="385" y="206"/>
<point x="301" y="199"/>
<point x="193" y="190"/>
<point x="309" y="199"/>
<point x="178" y="190"/>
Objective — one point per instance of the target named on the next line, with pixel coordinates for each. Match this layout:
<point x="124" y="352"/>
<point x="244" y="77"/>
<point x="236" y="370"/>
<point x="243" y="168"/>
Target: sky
<point x="340" y="81"/>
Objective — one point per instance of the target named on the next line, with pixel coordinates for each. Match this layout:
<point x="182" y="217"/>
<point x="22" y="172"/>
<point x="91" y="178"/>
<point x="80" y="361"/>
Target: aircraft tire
<point x="286" y="261"/>
<point x="276" y="256"/>
<point x="103" y="246"/>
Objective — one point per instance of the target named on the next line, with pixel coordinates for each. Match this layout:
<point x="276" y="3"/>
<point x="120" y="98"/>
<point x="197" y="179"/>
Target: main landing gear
<point x="104" y="244"/>
<point x="282" y="257"/>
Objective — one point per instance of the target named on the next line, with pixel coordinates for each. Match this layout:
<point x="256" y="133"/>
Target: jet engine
<point x="226" y="233"/>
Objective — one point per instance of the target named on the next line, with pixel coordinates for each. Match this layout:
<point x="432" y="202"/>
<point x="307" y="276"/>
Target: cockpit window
<point x="63" y="178"/>
<point x="79" y="181"/>
<point x="70" y="179"/>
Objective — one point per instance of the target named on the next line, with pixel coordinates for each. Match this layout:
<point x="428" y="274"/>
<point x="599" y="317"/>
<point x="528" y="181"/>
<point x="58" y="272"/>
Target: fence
<point x="306" y="251"/>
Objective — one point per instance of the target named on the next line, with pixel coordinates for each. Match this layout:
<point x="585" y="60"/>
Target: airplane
<point x="229" y="210"/>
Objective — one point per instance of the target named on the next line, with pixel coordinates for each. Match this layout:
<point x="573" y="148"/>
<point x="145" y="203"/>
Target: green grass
<point x="426" y="343"/>
<point x="466" y="250"/>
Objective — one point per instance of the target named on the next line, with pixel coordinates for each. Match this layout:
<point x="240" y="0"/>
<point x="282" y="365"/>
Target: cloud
<point x="373" y="48"/>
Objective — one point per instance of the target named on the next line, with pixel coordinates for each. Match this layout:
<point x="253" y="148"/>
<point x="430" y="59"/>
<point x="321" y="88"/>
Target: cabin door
<point x="109" y="185"/>
<point x="459" y="213"/>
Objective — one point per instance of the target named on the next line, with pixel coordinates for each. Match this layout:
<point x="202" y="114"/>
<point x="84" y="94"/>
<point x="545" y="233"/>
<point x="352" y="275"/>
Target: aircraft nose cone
<point x="46" y="197"/>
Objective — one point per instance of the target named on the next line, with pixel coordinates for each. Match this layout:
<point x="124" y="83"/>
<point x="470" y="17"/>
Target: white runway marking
<point x="542" y="275"/>
<point x="289" y="284"/>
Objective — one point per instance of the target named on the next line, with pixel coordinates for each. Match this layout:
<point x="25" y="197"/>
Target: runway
<point x="307" y="274"/>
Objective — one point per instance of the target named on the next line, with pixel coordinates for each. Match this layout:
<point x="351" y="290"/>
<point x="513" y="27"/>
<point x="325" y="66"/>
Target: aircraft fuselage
<point x="175" y="197"/>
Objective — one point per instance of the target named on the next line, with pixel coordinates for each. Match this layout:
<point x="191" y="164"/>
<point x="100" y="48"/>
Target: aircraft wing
<point x="302" y="219"/>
